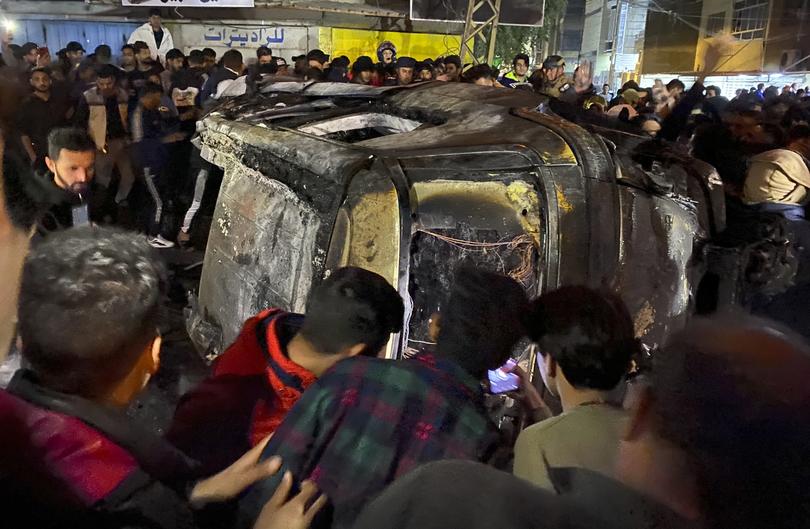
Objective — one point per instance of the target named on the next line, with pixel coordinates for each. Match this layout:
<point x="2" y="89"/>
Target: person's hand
<point x="233" y="480"/>
<point x="583" y="77"/>
<point x="716" y="49"/>
<point x="7" y="37"/>
<point x="279" y="513"/>
<point x="534" y="405"/>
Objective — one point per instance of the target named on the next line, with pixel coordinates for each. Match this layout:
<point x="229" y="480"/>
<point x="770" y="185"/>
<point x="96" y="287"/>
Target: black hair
<point x="196" y="57"/>
<point x="263" y="51"/>
<point x="482" y="320"/>
<point x="676" y="83"/>
<point x="477" y="72"/>
<point x="799" y="132"/>
<point x="518" y="57"/>
<point x="453" y="59"/>
<point x="232" y="59"/>
<point x="89" y="302"/>
<point x="154" y="12"/>
<point x="108" y="71"/>
<point x="352" y="306"/>
<point x="128" y="47"/>
<point x="588" y="333"/>
<point x="140" y="45"/>
<point x="174" y="54"/>
<point x="102" y="50"/>
<point x="208" y="52"/>
<point x="149" y="89"/>
<point x="69" y="139"/>
<point x="730" y="392"/>
<point x="42" y="69"/>
<point x="716" y="89"/>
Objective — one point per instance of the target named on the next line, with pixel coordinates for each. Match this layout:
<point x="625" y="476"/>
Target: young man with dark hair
<point x="277" y="356"/>
<point x="363" y="70"/>
<point x="480" y="75"/>
<point x="369" y="421"/>
<point x="175" y="62"/>
<point x="210" y="59"/>
<point x="585" y="341"/>
<point x="102" y="55"/>
<point x="155" y="35"/>
<point x="89" y="310"/>
<point x="452" y="68"/>
<point x="720" y="394"/>
<point x="232" y="68"/>
<point x="519" y="73"/>
<point x="103" y="111"/>
<point x="40" y="113"/>
<point x="676" y="88"/>
<point x="264" y="55"/>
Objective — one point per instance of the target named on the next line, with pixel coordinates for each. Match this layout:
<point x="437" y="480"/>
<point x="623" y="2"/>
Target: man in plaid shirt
<point x="368" y="421"/>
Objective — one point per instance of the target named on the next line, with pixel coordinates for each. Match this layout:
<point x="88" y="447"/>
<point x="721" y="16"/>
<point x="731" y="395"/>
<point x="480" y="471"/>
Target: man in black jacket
<point x="88" y="315"/>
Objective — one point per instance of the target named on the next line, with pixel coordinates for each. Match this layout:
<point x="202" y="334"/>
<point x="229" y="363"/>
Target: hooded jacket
<point x="145" y="34"/>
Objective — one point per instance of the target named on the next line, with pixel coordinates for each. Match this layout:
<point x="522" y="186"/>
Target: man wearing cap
<point x="158" y="38"/>
<point x="283" y="67"/>
<point x="363" y="70"/>
<point x="629" y="101"/>
<point x="316" y="60"/>
<point x="405" y="68"/>
<point x="551" y="80"/>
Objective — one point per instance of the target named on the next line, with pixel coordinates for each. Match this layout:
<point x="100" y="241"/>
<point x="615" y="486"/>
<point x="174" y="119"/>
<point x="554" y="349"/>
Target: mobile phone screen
<point x="501" y="380"/>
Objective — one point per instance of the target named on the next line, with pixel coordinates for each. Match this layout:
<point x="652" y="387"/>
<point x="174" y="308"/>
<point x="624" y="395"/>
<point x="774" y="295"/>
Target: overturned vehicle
<point x="412" y="182"/>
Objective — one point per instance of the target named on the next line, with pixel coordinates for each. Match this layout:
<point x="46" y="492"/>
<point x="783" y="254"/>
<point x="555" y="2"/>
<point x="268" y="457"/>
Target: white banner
<point x="188" y="3"/>
<point x="236" y="37"/>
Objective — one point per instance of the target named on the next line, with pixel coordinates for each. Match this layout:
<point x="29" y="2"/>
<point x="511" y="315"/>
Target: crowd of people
<point x="300" y="422"/>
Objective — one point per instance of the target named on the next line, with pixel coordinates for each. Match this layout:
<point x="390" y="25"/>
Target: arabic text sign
<point x="188" y="3"/>
<point x="274" y="37"/>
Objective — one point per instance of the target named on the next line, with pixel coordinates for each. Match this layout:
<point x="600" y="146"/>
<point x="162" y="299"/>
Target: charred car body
<point x="411" y="182"/>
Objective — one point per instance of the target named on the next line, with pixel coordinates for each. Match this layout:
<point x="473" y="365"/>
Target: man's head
<point x="74" y="52"/>
<point x="799" y="139"/>
<point x="317" y="59"/>
<point x="553" y="67"/>
<point x="40" y="80"/>
<point x="175" y="60"/>
<point x="232" y="59"/>
<point x="675" y="87"/>
<point x="107" y="80"/>
<point x="151" y="95"/>
<point x="521" y="64"/>
<point x="264" y="55"/>
<point x="363" y="69"/>
<point x="480" y="74"/>
<point x="725" y="423"/>
<point x="712" y="91"/>
<point x="155" y="19"/>
<point x="761" y="86"/>
<point x="352" y="312"/>
<point x="103" y="54"/>
<point x="585" y="338"/>
<point x="282" y="66"/>
<point x="142" y="52"/>
<point x="128" y="56"/>
<point x="88" y="313"/>
<point x="71" y="158"/>
<point x="482" y="320"/>
<point x="452" y="67"/>
<point x="605" y="88"/>
<point x="210" y="57"/>
<point x="196" y="59"/>
<point x="30" y="53"/>
<point x="745" y="125"/>
<point x="405" y="67"/>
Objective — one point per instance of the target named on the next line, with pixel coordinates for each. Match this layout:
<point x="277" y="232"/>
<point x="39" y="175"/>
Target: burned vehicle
<point x="412" y="182"/>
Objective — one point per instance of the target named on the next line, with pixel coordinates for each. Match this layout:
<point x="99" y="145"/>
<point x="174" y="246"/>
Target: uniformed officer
<point x="550" y="79"/>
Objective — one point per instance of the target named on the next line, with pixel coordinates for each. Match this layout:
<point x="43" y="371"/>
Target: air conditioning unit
<point x="789" y="59"/>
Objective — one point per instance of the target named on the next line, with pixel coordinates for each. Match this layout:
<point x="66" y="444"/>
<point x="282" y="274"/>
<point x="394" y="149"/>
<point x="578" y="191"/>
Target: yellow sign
<point x="356" y="42"/>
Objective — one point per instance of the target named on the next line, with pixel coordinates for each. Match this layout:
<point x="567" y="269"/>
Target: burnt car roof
<point x="447" y="115"/>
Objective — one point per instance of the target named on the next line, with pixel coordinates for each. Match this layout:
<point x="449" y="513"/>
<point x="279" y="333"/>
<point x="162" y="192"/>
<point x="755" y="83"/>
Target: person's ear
<point x="434" y="326"/>
<point x="50" y="164"/>
<point x="355" y="350"/>
<point x="639" y="402"/>
<point x="154" y="355"/>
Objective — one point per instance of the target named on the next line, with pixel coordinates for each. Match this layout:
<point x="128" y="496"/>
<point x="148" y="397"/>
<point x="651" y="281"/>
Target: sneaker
<point x="160" y="242"/>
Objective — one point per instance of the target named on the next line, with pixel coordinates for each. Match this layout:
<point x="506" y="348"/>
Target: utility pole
<point x="486" y="31"/>
<point x="615" y="47"/>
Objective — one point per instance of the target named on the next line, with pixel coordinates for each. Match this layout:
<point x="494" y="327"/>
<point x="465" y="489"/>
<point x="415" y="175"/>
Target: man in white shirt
<point x="157" y="37"/>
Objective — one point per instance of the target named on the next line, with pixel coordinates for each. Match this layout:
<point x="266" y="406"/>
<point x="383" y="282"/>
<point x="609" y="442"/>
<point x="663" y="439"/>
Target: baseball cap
<point x="631" y="96"/>
<point x="554" y="61"/>
<point x="281" y="61"/>
<point x="74" y="46"/>
<point x="317" y="55"/>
